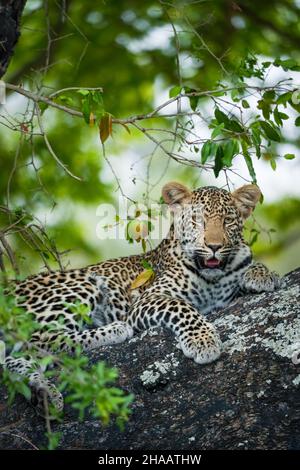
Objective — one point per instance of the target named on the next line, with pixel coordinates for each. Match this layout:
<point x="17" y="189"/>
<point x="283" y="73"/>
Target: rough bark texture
<point x="248" y="399"/>
<point x="10" y="17"/>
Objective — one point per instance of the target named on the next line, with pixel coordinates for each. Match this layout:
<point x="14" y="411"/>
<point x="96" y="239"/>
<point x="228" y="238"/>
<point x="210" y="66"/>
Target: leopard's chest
<point x="207" y="295"/>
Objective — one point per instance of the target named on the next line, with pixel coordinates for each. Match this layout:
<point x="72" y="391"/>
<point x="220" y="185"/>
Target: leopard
<point x="202" y="265"/>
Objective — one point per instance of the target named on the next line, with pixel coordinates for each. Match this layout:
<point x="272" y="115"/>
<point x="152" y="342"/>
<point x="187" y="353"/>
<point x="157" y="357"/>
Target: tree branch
<point x="10" y="19"/>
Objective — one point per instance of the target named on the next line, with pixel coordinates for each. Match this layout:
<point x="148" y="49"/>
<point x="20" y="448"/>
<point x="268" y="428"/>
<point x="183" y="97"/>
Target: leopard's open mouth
<point x="209" y="263"/>
<point x="212" y="263"/>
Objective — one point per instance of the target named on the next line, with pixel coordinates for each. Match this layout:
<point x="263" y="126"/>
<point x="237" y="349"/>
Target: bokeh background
<point x="129" y="48"/>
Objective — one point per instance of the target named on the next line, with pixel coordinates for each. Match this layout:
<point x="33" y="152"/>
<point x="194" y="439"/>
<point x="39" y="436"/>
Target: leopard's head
<point x="209" y="221"/>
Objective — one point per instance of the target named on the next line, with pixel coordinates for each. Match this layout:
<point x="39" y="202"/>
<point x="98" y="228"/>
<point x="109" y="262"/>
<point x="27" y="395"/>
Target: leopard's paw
<point x="259" y="279"/>
<point x="203" y="345"/>
<point x="46" y="399"/>
<point x="119" y="331"/>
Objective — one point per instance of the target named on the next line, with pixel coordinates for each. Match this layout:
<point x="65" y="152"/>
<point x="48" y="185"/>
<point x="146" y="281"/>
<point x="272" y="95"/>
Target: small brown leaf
<point x="24" y="128"/>
<point x="92" y="119"/>
<point x="126" y="127"/>
<point x="143" y="278"/>
<point x="105" y="127"/>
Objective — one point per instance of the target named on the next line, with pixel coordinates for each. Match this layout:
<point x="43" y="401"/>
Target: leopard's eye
<point x="229" y="219"/>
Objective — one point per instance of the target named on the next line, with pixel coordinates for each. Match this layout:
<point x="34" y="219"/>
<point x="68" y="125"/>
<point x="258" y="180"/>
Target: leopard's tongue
<point x="212" y="263"/>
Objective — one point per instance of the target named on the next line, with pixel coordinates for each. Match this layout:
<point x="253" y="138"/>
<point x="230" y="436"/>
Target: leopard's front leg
<point x="198" y="338"/>
<point x="258" y="278"/>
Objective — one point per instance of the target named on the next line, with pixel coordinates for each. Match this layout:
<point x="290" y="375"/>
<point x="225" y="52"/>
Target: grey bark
<point x="248" y="399"/>
<point x="10" y="19"/>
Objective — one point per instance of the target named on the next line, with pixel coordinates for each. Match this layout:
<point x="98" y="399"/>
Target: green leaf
<point x="218" y="93"/>
<point x="218" y="161"/>
<point x="277" y="117"/>
<point x="146" y="264"/>
<point x="194" y="102"/>
<point x="86" y="111"/>
<point x="217" y="130"/>
<point x="248" y="161"/>
<point x="296" y="106"/>
<point x="262" y="198"/>
<point x="283" y="116"/>
<point x="235" y="126"/>
<point x="289" y="156"/>
<point x="265" y="107"/>
<point x="250" y="167"/>
<point x="65" y="99"/>
<point x="24" y="390"/>
<point x="287" y="64"/>
<point x="43" y="107"/>
<point x="235" y="95"/>
<point x="245" y="104"/>
<point x="44" y="253"/>
<point x="258" y="151"/>
<point x="193" y="99"/>
<point x="45" y="361"/>
<point x="53" y="439"/>
<point x="273" y="164"/>
<point x="256" y="137"/>
<point x="97" y="97"/>
<point x="284" y="98"/>
<point x="220" y="116"/>
<point x="269" y="95"/>
<point x="83" y="92"/>
<point x="230" y="149"/>
<point x="297" y="121"/>
<point x="253" y="239"/>
<point x="206" y="151"/>
<point x="230" y="124"/>
<point x="270" y="132"/>
<point x="175" y="91"/>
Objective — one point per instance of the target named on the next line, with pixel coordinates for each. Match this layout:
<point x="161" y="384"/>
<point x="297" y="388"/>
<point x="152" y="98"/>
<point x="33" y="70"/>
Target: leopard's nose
<point x="214" y="246"/>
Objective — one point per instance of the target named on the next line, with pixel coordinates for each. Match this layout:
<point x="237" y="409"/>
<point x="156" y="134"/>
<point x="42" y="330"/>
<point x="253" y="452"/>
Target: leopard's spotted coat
<point x="202" y="265"/>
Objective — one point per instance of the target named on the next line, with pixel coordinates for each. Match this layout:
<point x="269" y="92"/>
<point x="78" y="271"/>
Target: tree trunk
<point x="248" y="399"/>
<point x="10" y="19"/>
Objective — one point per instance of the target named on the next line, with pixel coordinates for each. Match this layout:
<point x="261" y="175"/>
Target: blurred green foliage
<point x="281" y="222"/>
<point x="90" y="388"/>
<point x="126" y="47"/>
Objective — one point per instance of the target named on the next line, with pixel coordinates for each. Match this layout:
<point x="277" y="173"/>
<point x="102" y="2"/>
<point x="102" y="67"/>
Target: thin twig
<point x="17" y="155"/>
<point x="20" y="437"/>
<point x="115" y="174"/>
<point x="42" y="99"/>
<point x="75" y="88"/>
<point x="9" y="253"/>
<point x="49" y="147"/>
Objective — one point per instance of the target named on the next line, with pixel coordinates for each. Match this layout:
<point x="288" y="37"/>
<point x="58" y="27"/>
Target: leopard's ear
<point x="176" y="193"/>
<point x="246" y="198"/>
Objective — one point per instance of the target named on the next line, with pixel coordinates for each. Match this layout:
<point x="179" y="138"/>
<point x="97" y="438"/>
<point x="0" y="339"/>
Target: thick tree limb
<point x="10" y="19"/>
<point x="248" y="399"/>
